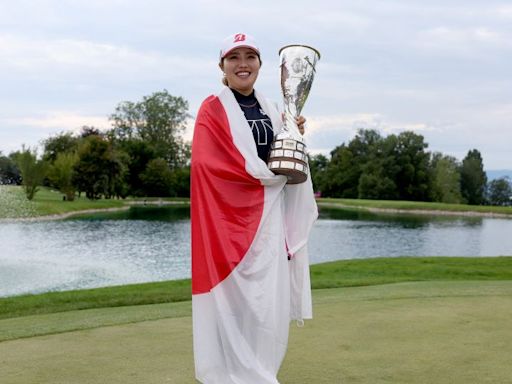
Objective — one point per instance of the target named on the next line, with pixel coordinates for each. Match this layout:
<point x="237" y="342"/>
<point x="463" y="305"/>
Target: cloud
<point x="438" y="68"/>
<point x="58" y="57"/>
<point x="463" y="41"/>
<point x="58" y="121"/>
<point x="325" y="132"/>
<point x="31" y="130"/>
<point x="503" y="12"/>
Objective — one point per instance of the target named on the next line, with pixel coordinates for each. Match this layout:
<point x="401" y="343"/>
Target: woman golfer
<point x="250" y="270"/>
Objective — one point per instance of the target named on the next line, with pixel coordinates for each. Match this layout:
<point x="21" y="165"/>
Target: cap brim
<point x="240" y="46"/>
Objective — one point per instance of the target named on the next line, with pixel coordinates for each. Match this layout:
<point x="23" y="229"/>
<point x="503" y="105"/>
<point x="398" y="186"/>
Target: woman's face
<point x="241" y="67"/>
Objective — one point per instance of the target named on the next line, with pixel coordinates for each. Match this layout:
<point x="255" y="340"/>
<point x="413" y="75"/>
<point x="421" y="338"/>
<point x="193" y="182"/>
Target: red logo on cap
<point x="239" y="37"/>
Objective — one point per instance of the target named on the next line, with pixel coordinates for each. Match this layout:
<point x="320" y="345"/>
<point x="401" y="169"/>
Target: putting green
<point x="424" y="332"/>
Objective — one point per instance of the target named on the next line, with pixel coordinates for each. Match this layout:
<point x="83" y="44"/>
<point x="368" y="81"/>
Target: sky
<point x="440" y="68"/>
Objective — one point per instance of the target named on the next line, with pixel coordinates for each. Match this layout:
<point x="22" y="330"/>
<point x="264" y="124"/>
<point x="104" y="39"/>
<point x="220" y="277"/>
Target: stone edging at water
<point x="156" y="202"/>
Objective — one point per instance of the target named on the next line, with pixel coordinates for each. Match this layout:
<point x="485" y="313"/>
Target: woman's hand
<point x="301" y="120"/>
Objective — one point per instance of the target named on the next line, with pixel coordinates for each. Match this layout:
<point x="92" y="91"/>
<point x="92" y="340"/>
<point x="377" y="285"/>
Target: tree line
<point x="399" y="167"/>
<point x="144" y="154"/>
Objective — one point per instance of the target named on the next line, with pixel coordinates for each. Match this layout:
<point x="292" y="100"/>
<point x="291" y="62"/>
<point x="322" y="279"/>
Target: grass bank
<point x="345" y="273"/>
<point x="48" y="202"/>
<point x="414" y="206"/>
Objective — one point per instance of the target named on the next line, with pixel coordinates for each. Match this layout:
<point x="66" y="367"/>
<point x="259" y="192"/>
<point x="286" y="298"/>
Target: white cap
<point x="236" y="41"/>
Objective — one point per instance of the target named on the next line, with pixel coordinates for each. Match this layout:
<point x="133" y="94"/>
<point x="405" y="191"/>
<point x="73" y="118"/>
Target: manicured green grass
<point x="46" y="202"/>
<point x="414" y="205"/>
<point x="455" y="332"/>
<point x="14" y="204"/>
<point x="51" y="323"/>
<point x="49" y="202"/>
<point x="117" y="296"/>
<point x="345" y="273"/>
<point x="405" y="333"/>
<point x="387" y="270"/>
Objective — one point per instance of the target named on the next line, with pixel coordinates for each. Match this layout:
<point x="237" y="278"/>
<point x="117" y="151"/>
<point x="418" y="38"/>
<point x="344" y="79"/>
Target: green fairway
<point x="413" y="332"/>
<point x="432" y="332"/>
<point x="385" y="320"/>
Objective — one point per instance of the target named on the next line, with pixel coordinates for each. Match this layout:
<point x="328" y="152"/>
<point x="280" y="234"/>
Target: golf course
<point x="384" y="320"/>
<point x="181" y="183"/>
<point x="376" y="320"/>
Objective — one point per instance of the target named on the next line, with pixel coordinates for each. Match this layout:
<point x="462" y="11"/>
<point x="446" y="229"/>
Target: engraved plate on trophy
<point x="297" y="73"/>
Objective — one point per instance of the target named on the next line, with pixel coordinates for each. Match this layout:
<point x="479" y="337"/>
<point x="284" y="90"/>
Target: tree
<point x="9" y="172"/>
<point x="60" y="174"/>
<point x="346" y="166"/>
<point x="341" y="174"/>
<point x="378" y="178"/>
<point x="500" y="191"/>
<point x="317" y="168"/>
<point x="100" y="170"/>
<point x="473" y="178"/>
<point x="374" y="185"/>
<point x="412" y="161"/>
<point x="64" y="142"/>
<point x="159" y="120"/>
<point x="139" y="154"/>
<point x="180" y="182"/>
<point x="157" y="178"/>
<point x="445" y="179"/>
<point x="33" y="171"/>
<point x="87" y="131"/>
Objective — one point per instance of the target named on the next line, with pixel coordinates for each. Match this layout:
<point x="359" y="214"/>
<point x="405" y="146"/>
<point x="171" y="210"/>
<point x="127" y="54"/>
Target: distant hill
<point x="497" y="173"/>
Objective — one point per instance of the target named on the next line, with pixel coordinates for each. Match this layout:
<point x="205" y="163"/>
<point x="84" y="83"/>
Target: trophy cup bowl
<point x="288" y="151"/>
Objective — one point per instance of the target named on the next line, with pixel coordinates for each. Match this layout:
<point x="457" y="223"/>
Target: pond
<point x="153" y="244"/>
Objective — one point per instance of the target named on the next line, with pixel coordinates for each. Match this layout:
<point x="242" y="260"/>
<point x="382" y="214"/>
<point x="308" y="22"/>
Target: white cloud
<point x="346" y="122"/>
<point x="467" y="41"/>
<point x="31" y="130"/>
<point x="438" y="68"/>
<point x="57" y="57"/>
<point x="59" y="120"/>
<point x="503" y="12"/>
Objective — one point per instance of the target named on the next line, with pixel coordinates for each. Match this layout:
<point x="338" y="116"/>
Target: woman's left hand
<point x="301" y="120"/>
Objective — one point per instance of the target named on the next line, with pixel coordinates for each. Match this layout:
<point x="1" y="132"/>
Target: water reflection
<point x="349" y="234"/>
<point x="402" y="220"/>
<point x="152" y="244"/>
<point x="94" y="251"/>
<point x="146" y="213"/>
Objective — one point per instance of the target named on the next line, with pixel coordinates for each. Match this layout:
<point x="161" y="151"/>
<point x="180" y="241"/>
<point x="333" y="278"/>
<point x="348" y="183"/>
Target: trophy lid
<point x="300" y="45"/>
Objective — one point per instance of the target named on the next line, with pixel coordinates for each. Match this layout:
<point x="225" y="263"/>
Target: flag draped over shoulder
<point x="245" y="222"/>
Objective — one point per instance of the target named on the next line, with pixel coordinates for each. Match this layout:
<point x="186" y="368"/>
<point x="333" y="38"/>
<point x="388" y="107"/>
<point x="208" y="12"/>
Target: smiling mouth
<point x="243" y="74"/>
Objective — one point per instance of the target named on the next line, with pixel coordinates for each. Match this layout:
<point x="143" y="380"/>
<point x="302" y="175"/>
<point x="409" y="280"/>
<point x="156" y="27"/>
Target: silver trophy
<point x="288" y="152"/>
